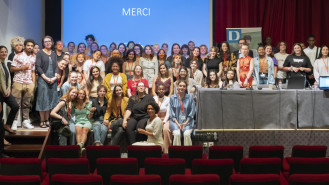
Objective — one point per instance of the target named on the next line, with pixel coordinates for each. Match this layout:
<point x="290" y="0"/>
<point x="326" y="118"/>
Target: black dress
<point x="213" y="64"/>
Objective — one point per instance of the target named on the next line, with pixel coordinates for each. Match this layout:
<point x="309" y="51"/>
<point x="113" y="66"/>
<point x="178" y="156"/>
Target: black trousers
<point x="131" y="130"/>
<point x="11" y="102"/>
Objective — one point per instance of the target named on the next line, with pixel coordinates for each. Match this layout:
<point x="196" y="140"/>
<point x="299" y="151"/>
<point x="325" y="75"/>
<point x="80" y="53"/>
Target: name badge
<point x="262" y="75"/>
<point x="183" y="117"/>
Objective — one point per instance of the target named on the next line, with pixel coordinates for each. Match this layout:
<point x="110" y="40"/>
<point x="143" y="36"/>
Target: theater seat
<point x="309" y="179"/>
<point x="188" y="153"/>
<point x="142" y="152"/>
<point x="227" y="152"/>
<point x="66" y="179"/>
<point x="106" y="167"/>
<point x="95" y="152"/>
<point x="255" y="179"/>
<point x="205" y="179"/>
<point x="20" y="180"/>
<point x="135" y="180"/>
<point x="164" y="167"/>
<point x="260" y="166"/>
<point x="309" y="151"/>
<point x="266" y="151"/>
<point x="300" y="165"/>
<point x="57" y="151"/>
<point x="222" y="167"/>
<point x="20" y="166"/>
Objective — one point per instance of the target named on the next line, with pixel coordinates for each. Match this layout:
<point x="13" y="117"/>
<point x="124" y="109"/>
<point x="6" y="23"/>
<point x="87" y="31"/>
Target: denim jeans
<point x="72" y="139"/>
<point x="100" y="131"/>
<point x="117" y="131"/>
<point x="263" y="80"/>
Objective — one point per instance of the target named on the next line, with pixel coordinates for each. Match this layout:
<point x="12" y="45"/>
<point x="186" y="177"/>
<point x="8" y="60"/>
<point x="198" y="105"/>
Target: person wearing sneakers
<point x="23" y="65"/>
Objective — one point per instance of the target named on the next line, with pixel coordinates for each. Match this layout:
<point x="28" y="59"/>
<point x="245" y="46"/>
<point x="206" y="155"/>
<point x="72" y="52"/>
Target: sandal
<point x="43" y="124"/>
<point x="6" y="143"/>
<point x="47" y="123"/>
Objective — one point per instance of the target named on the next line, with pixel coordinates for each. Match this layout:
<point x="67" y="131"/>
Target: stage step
<point x="25" y="143"/>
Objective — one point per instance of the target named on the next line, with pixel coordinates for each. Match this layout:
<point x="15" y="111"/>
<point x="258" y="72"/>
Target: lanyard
<point x="119" y="111"/>
<point x="327" y="65"/>
<point x="161" y="102"/>
<point x="116" y="81"/>
<point x="175" y="73"/>
<point x="181" y="104"/>
<point x="130" y="68"/>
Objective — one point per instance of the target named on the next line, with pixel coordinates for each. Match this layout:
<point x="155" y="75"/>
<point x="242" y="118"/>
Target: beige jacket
<point x="3" y="88"/>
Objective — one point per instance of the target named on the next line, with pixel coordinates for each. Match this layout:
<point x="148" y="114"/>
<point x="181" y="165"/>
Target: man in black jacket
<point x="238" y="53"/>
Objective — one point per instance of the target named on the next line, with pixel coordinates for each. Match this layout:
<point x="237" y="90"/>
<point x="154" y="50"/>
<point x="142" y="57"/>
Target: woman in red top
<point x="245" y="68"/>
<point x="137" y="77"/>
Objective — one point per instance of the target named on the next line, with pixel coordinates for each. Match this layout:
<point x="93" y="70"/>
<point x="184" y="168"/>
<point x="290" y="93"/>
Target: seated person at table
<point x="153" y="129"/>
<point x="321" y="64"/>
<point x="297" y="64"/>
<point x="97" y="112"/>
<point x="230" y="80"/>
<point x="263" y="68"/>
<point x="245" y="67"/>
<point x="212" y="80"/>
<point x="182" y="110"/>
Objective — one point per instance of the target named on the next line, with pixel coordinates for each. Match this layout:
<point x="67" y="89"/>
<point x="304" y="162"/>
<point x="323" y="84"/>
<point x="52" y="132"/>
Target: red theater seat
<point x="20" y="180"/>
<point x="66" y="179"/>
<point x="260" y="166"/>
<point x="142" y="152"/>
<point x="106" y="151"/>
<point x="106" y="167"/>
<point x="309" y="179"/>
<point x="186" y="152"/>
<point x="135" y="180"/>
<point x="227" y="152"/>
<point x="20" y="166"/>
<point x="300" y="165"/>
<point x="266" y="151"/>
<point x="164" y="167"/>
<point x="255" y="179"/>
<point x="205" y="179"/>
<point x="221" y="167"/>
<point x="57" y="151"/>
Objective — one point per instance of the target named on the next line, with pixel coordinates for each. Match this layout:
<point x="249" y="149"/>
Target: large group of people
<point x="135" y="91"/>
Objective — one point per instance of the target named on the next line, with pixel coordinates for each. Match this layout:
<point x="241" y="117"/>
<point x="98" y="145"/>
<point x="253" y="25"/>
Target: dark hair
<point x="190" y="42"/>
<point x="242" y="39"/>
<point x="285" y="43"/>
<point x="29" y="40"/>
<point x="323" y="46"/>
<point x="208" y="81"/>
<point x="49" y="37"/>
<point x="293" y="52"/>
<point x="91" y="78"/>
<point x="92" y="52"/>
<point x="2" y="46"/>
<point x="261" y="45"/>
<point x="122" y="44"/>
<point x="165" y="55"/>
<point x="115" y="60"/>
<point x="113" y="44"/>
<point x="311" y="36"/>
<point x="221" y="52"/>
<point x="271" y="55"/>
<point x="101" y="87"/>
<point x="172" y="49"/>
<point x="247" y="37"/>
<point x="103" y="46"/>
<point x="164" y="44"/>
<point x="152" y="52"/>
<point x="81" y="43"/>
<point x="185" y="46"/>
<point x="192" y="57"/>
<point x="130" y="43"/>
<point x="129" y="51"/>
<point x="234" y="77"/>
<point x="140" y="48"/>
<point x="70" y="43"/>
<point x="90" y="36"/>
<point x="154" y="105"/>
<point x="167" y="73"/>
<point x="113" y="104"/>
<point x="183" y="68"/>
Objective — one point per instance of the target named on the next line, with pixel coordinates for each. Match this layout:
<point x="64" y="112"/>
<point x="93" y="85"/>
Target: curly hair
<point x="154" y="105"/>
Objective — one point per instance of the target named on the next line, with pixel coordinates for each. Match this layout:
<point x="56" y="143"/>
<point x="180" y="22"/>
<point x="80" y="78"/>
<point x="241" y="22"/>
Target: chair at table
<point x="106" y="167"/>
<point x="222" y="167"/>
<point x="227" y="152"/>
<point x="186" y="152"/>
<point x="106" y="151"/>
<point x="255" y="179"/>
<point x="205" y="179"/>
<point x="20" y="180"/>
<point x="135" y="180"/>
<point x="67" y="179"/>
<point x="164" y="167"/>
<point x="143" y="152"/>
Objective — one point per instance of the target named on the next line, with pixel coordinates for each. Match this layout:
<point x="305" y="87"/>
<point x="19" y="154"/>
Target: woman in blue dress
<point x="182" y="110"/>
<point x="46" y="65"/>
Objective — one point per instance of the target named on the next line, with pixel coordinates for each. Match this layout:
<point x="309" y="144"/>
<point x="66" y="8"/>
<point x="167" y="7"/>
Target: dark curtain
<point x="288" y="20"/>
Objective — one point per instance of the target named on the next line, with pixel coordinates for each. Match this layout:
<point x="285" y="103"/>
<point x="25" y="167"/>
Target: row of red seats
<point x="207" y="179"/>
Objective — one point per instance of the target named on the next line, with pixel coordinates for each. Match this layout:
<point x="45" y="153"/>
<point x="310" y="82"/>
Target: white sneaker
<point x="14" y="125"/>
<point x="27" y="124"/>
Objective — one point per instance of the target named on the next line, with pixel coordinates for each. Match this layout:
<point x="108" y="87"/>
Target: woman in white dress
<point x="149" y="63"/>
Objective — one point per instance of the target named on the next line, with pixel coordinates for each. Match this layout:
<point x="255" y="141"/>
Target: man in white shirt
<point x="312" y="51"/>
